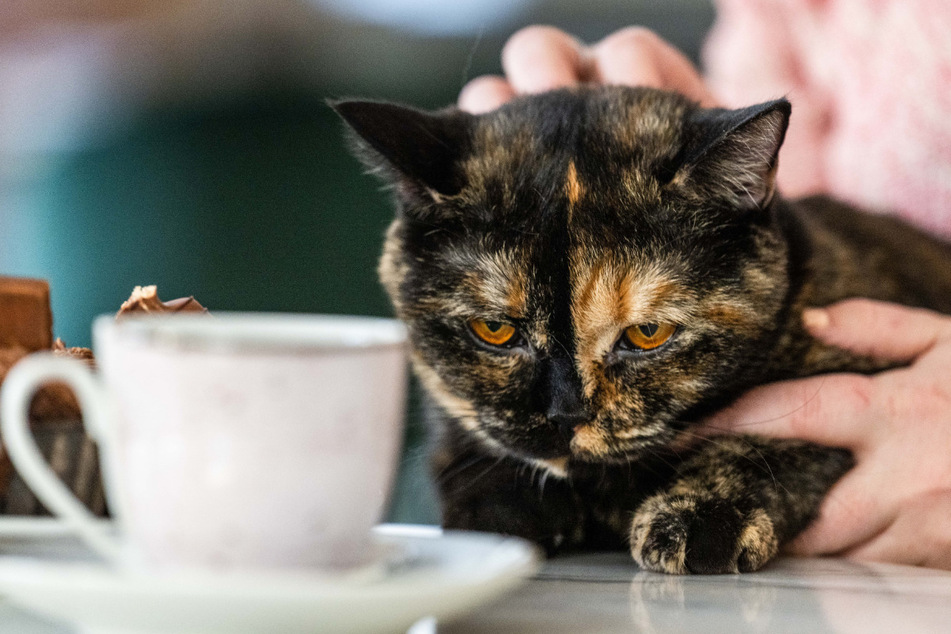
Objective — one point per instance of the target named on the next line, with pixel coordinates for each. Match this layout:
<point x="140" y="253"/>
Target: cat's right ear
<point x="419" y="152"/>
<point x="733" y="153"/>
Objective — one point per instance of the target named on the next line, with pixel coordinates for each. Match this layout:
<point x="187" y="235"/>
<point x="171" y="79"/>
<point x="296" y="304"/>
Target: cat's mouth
<point x="592" y="443"/>
<point x="593" y="448"/>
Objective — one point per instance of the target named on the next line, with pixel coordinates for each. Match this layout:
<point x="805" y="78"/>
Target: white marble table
<point x="605" y="593"/>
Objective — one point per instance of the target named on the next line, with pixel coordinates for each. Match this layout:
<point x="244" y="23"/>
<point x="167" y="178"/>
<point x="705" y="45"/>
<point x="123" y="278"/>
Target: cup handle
<point x="22" y="382"/>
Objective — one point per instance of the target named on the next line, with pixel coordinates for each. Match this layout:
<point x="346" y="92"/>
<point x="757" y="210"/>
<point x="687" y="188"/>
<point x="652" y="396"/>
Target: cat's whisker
<point x="639" y="432"/>
<point x="533" y="473"/>
<point x="453" y="469"/>
<point x="541" y="482"/>
<point x="763" y="463"/>
<point x="776" y="483"/>
<point x="803" y="405"/>
<point x="648" y="467"/>
<point x="714" y="440"/>
<point x="469" y="483"/>
<point x="413" y="457"/>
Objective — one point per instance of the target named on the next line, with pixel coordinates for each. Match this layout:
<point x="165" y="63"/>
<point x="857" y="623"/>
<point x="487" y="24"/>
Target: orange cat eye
<point x="649" y="336"/>
<point x="496" y="333"/>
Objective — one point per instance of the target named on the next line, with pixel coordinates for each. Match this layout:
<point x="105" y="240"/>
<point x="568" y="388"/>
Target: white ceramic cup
<point x="229" y="442"/>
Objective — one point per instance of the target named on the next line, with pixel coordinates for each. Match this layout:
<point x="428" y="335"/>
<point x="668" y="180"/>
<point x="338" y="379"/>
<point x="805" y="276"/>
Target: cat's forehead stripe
<point x="573" y="187"/>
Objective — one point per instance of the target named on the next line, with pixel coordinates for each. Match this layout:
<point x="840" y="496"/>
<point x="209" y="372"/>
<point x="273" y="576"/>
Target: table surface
<point x="606" y="593"/>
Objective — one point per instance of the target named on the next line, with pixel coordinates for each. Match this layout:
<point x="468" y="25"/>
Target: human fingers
<point x="851" y="513"/>
<point x="540" y="58"/>
<point x="878" y="329"/>
<point x="637" y="56"/>
<point x="485" y="93"/>
<point x="920" y="536"/>
<point x="831" y="409"/>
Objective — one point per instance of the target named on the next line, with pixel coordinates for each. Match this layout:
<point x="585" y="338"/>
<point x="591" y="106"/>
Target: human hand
<point x="540" y="58"/>
<point x="895" y="504"/>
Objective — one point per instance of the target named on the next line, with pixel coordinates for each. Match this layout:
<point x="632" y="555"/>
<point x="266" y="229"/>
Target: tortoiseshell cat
<point x="587" y="273"/>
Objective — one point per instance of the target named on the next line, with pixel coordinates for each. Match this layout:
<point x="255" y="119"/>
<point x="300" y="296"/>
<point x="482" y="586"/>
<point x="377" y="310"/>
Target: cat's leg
<point x="733" y="504"/>
<point x="483" y="492"/>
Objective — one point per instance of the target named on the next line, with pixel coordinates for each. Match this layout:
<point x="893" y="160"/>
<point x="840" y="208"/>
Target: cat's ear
<point x="733" y="153"/>
<point x="418" y="151"/>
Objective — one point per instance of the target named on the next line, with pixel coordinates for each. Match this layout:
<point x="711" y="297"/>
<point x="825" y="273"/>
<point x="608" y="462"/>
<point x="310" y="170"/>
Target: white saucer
<point x="432" y="573"/>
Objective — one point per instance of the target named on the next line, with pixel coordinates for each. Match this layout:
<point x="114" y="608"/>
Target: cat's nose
<point x="568" y="420"/>
<point x="566" y="405"/>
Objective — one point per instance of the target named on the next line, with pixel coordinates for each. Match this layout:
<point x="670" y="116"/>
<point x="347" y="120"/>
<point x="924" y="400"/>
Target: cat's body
<point x="585" y="275"/>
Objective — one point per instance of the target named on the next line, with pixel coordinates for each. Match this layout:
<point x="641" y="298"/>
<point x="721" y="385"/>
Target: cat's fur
<point x="574" y="215"/>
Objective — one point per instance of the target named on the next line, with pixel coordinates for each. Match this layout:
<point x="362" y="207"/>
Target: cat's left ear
<point x="733" y="153"/>
<point x="419" y="151"/>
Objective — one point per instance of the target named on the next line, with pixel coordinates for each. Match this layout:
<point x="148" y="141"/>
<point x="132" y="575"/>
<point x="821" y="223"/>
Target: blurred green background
<point x="187" y="144"/>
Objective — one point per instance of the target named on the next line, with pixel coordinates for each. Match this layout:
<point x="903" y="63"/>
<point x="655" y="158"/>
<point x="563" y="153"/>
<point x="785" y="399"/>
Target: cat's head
<point x="583" y="272"/>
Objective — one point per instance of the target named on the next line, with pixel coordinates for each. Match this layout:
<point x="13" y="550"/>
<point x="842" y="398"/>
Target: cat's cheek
<point x="484" y="379"/>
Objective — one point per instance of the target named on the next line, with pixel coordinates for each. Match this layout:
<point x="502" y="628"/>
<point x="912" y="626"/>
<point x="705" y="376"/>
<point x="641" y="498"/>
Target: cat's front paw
<point x="699" y="534"/>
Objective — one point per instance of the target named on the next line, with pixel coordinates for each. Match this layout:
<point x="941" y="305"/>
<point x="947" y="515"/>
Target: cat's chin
<point x="557" y="467"/>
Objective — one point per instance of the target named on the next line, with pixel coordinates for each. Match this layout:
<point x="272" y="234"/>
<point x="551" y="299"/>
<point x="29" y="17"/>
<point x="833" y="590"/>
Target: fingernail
<point x="815" y="318"/>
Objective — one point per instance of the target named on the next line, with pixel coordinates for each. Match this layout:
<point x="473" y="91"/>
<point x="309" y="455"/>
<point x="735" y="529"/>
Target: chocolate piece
<point x="56" y="401"/>
<point x="145" y="299"/>
<point x="26" y="326"/>
<point x="25" y="317"/>
<point x="83" y="354"/>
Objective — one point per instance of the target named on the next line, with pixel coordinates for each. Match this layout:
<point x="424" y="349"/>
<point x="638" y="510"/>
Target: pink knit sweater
<point x="870" y="84"/>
